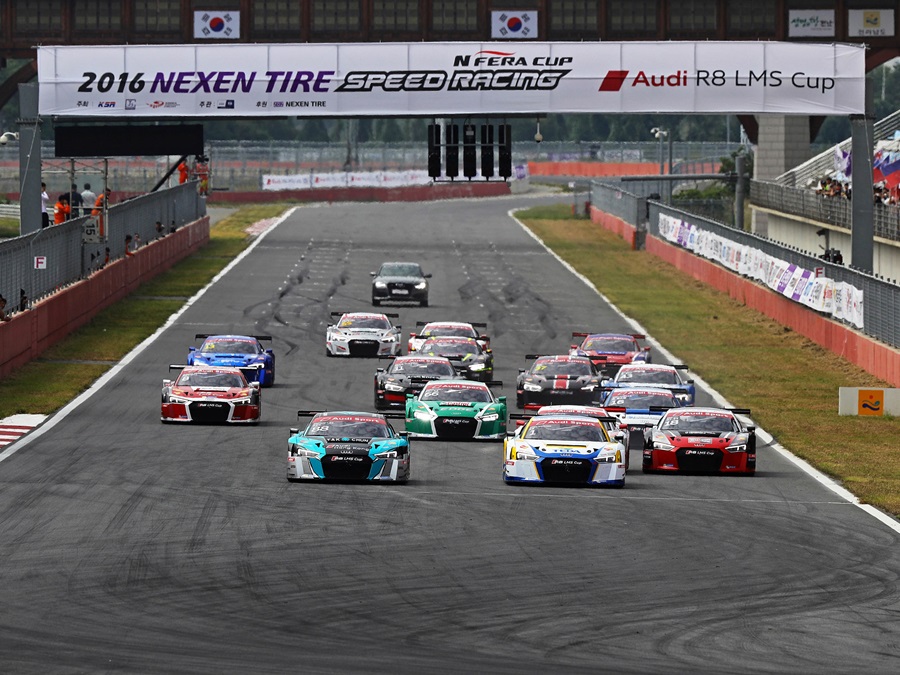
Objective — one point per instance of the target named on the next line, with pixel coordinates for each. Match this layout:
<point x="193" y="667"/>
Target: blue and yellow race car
<point x="236" y="351"/>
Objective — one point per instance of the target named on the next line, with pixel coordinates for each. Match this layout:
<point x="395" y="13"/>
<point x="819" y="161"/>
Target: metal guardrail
<point x="881" y="308"/>
<point x="9" y="211"/>
<point x="69" y="260"/>
<point x="828" y="210"/>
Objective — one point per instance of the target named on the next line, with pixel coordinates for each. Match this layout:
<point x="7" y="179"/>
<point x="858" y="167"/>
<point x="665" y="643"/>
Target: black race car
<point x="560" y="379"/>
<point x="407" y="375"/>
<point x="400" y="282"/>
<point x="470" y="359"/>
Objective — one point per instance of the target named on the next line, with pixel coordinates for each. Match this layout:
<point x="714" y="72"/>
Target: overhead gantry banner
<point x="450" y="78"/>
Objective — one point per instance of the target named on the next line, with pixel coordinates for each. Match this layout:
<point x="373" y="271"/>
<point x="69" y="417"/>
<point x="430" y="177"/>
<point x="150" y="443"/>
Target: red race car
<point x="701" y="440"/>
<point x="210" y="394"/>
<point x="611" y="351"/>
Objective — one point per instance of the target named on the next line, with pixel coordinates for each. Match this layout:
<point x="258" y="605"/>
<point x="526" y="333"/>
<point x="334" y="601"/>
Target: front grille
<point x="209" y="411"/>
<point x="346" y="467"/>
<point x="455" y="427"/>
<point x="399" y="285"/>
<point x="559" y="397"/>
<point x="708" y="462"/>
<point x="363" y="347"/>
<point x="566" y="470"/>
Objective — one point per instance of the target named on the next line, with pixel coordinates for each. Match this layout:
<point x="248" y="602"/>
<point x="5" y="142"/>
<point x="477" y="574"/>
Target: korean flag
<point x="211" y="25"/>
<point x="514" y="25"/>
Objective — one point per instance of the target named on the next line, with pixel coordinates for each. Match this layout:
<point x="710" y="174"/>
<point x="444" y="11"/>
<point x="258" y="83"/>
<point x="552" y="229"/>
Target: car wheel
<point x="376" y="303"/>
<point x="328" y="352"/>
<point x="423" y="303"/>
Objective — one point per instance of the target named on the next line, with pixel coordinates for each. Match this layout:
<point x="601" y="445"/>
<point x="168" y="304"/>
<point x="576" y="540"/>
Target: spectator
<point x="76" y="202"/>
<point x="101" y="202"/>
<point x="128" y="251"/>
<point x="45" y="216"/>
<point x="88" y="196"/>
<point x="183" y="172"/>
<point x="201" y="171"/>
<point x="136" y="241"/>
<point x="23" y="300"/>
<point x="3" y="316"/>
<point x="160" y="232"/>
<point x="62" y="210"/>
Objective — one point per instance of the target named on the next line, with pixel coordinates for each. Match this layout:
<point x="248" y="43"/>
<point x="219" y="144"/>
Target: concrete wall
<point x="873" y="357"/>
<point x="801" y="233"/>
<point x="27" y="334"/>
<point x="783" y="145"/>
<point x="413" y="193"/>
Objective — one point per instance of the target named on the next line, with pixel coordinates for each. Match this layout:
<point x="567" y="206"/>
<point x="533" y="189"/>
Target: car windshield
<point x="348" y="429"/>
<point x="451" y="348"/>
<point x="634" y="400"/>
<point x="229" y="347"/>
<point x="211" y="380"/>
<point x="453" y="331"/>
<point x="432" y="368"/>
<point x="400" y="270"/>
<point x="565" y="431"/>
<point x="611" y="345"/>
<point x="696" y="424"/>
<point x="551" y="368"/>
<point x="648" y="376"/>
<point x="365" y="322"/>
<point x="456" y="394"/>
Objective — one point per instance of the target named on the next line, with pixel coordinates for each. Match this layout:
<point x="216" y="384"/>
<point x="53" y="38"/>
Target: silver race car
<point x="362" y="334"/>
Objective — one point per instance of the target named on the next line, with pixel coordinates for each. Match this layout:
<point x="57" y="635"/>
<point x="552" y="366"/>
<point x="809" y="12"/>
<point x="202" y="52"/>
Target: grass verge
<point x="790" y="383"/>
<point x="69" y="367"/>
<point x="9" y="228"/>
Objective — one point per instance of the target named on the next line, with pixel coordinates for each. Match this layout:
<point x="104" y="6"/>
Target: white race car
<point x="446" y="328"/>
<point x="564" y="449"/>
<point x="362" y="334"/>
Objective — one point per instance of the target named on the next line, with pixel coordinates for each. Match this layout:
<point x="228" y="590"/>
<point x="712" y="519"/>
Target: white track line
<point x="720" y="400"/>
<point x="57" y="417"/>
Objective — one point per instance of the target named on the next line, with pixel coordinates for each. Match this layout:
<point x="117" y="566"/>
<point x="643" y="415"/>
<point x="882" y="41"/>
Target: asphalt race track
<point x="127" y="545"/>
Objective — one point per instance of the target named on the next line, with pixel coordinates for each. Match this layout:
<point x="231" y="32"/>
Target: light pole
<point x="661" y="135"/>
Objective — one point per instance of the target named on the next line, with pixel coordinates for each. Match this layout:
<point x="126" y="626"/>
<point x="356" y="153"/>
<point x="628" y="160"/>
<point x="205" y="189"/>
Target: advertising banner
<point x="449" y="78"/>
<point x="817" y="23"/>
<point x="870" y="22"/>
<point x="838" y="299"/>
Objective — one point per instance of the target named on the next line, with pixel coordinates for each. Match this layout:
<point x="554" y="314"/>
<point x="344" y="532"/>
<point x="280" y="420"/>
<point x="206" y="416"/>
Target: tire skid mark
<point x="125" y="512"/>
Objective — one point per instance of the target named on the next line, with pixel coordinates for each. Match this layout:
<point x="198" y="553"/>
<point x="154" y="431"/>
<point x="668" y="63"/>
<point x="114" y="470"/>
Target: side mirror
<point x="410" y="397"/>
<point x="294" y="431"/>
<point x="270" y="352"/>
<point x="646" y="349"/>
<point x="167" y="383"/>
<point x="484" y="337"/>
<point x="619" y="435"/>
<point x="372" y="274"/>
<point x="689" y="382"/>
<point x="192" y="349"/>
<point x="254" y="385"/>
<point x="521" y="370"/>
<point x="501" y="399"/>
<point x="404" y="434"/>
<point x="751" y="427"/>
<point x="379" y="370"/>
<point x="428" y="276"/>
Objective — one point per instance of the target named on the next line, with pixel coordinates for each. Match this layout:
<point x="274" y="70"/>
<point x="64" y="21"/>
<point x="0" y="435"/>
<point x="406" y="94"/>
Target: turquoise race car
<point x="456" y="410"/>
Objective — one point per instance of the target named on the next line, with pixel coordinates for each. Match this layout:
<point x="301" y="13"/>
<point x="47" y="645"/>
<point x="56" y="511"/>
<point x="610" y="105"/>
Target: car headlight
<point x="661" y="441"/>
<point x="525" y="452"/>
<point x="490" y="417"/>
<point x="589" y="387"/>
<point x="392" y="337"/>
<point x="422" y="285"/>
<point x="684" y="398"/>
<point x="532" y="387"/>
<point x="478" y="366"/>
<point x="380" y="284"/>
<point x="738" y="444"/>
<point x="393" y="386"/>
<point x="424" y="415"/>
<point x="611" y="458"/>
<point x="300" y="451"/>
<point x="387" y="454"/>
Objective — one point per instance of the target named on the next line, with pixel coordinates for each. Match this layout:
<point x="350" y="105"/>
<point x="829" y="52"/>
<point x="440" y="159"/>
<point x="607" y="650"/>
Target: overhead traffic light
<point x="470" y="170"/>
<point x="434" y="150"/>
<point x="487" y="150"/>
<point x="504" y="147"/>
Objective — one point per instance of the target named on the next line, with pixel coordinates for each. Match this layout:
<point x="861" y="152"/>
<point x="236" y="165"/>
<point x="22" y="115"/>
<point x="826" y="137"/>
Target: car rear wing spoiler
<point x="636" y="336"/>
<point x="623" y="409"/>
<point x="203" y="336"/>
<point x="528" y="416"/>
<point x="494" y="383"/>
<point x="739" y="411"/>
<point x="391" y="315"/>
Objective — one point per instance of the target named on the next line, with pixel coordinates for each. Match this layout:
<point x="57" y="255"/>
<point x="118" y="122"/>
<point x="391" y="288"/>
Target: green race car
<point x="456" y="410"/>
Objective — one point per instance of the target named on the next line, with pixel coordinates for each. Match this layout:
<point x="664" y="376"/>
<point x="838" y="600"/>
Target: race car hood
<point x="560" y="381"/>
<point x="235" y="360"/>
<point x="569" y="449"/>
<point x="209" y="392"/>
<point x="711" y="441"/>
<point x="364" y="332"/>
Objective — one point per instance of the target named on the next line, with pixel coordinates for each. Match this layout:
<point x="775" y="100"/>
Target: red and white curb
<point x="14" y="427"/>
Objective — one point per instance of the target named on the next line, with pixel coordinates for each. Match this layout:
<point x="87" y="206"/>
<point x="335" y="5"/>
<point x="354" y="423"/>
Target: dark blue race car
<point x="237" y="351"/>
